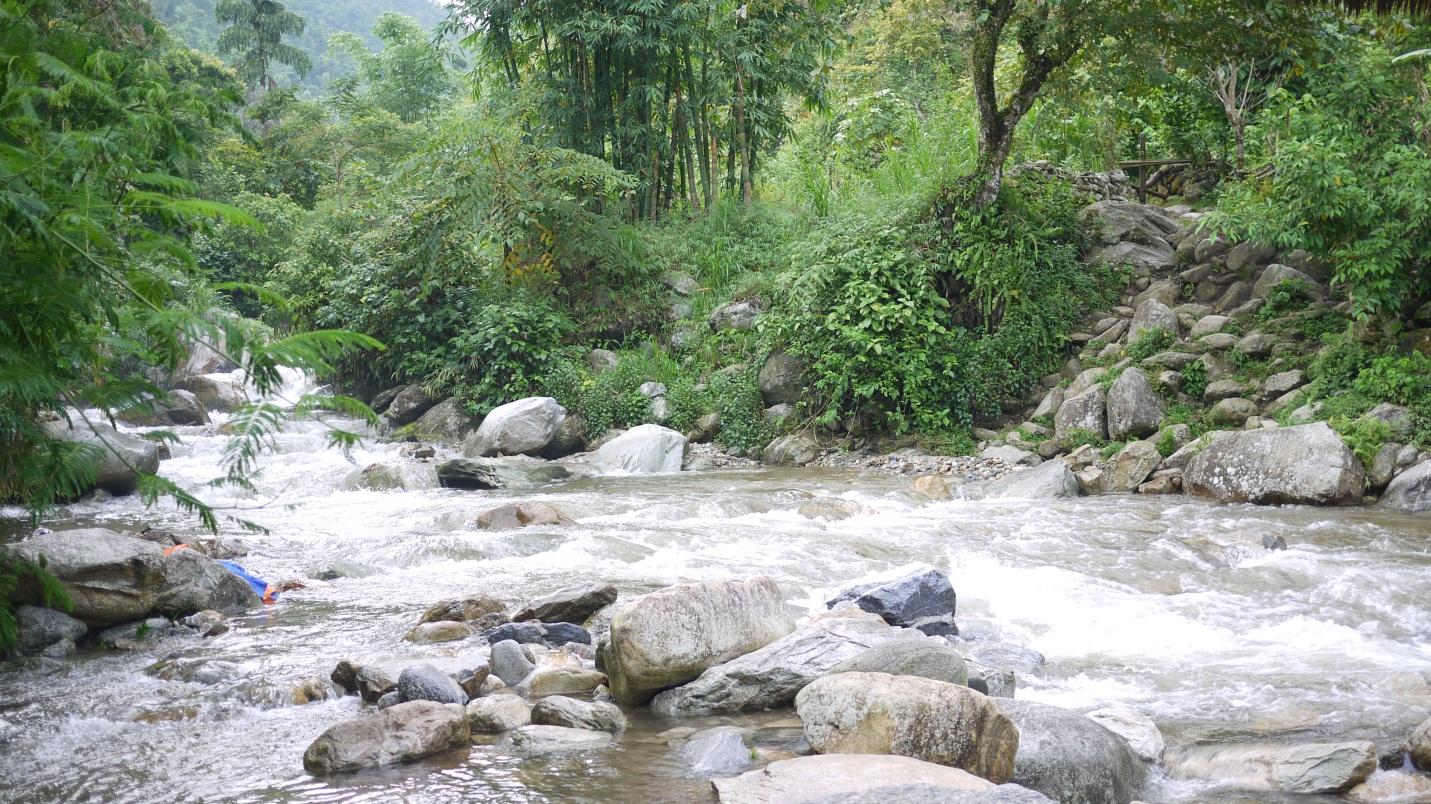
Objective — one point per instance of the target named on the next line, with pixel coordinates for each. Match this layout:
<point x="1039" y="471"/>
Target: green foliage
<point x="497" y="355"/>
<point x="1402" y="379"/>
<point x="1285" y="297"/>
<point x="1364" y="436"/>
<point x="14" y="572"/>
<point x="1149" y="342"/>
<point x="255" y="37"/>
<point x="1078" y="437"/>
<point x="1166" y="444"/>
<point x="1194" y="379"/>
<point x="408" y="77"/>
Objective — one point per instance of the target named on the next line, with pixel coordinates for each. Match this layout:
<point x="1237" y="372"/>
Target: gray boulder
<point x="1086" y="411"/>
<point x="40" y="628"/>
<point x="494" y="714"/>
<point x="1396" y="417"/>
<point x="906" y="597"/>
<point x="1011" y="455"/>
<point x="559" y="710"/>
<point x="1134" y="408"/>
<point x="671" y="636"/>
<point x="113" y="579"/>
<point x="1137" y="728"/>
<point x="537" y="740"/>
<point x="771" y="676"/>
<point x="1131" y="466"/>
<point x="409" y="405"/>
<point x="877" y="713"/>
<point x="1150" y="315"/>
<point x="444" y="631"/>
<point x="401" y="733"/>
<point x="1418" y="745"/>
<point x="795" y="449"/>
<point x="1128" y="222"/>
<point x="780" y="379"/>
<point x="1304" y="464"/>
<point x="423" y="682"/>
<point x="574" y="604"/>
<point x="1249" y="255"/>
<point x="1275" y="274"/>
<point x="1068" y="757"/>
<point x="1409" y="491"/>
<point x="510" y="662"/>
<point x="480" y="609"/>
<point x="1145" y="260"/>
<point x="1208" y="325"/>
<point x="1309" y="768"/>
<point x="221" y="392"/>
<point x="118" y="458"/>
<point x="925" y="658"/>
<point x="524" y="427"/>
<point x="445" y="422"/>
<point x="859" y="778"/>
<point x="570" y="438"/>
<point x="739" y="316"/>
<point x="1047" y="481"/>
<point x="175" y="408"/>
<point x="498" y="473"/>
<point x="601" y="361"/>
<point x="521" y="515"/>
<point x="720" y="751"/>
<point x="644" y="449"/>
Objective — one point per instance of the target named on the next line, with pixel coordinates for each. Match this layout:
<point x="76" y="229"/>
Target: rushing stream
<point x="1162" y="603"/>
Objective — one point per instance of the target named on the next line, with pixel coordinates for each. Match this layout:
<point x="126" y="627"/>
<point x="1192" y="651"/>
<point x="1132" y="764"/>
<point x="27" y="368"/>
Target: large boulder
<point x="1409" y="491"/>
<point x="118" y="458"/>
<point x="524" y="427"/>
<point x="795" y="449"/>
<point x="445" y="422"/>
<point x="400" y="733"/>
<point x="1086" y="412"/>
<point x="739" y="315"/>
<point x="1047" y="481"/>
<point x="174" y="408"/>
<point x="559" y="710"/>
<point x="41" y="628"/>
<point x="1134" y="408"/>
<point x="111" y="578"/>
<point x="423" y="682"/>
<point x="1418" y="745"/>
<point x="865" y="779"/>
<point x="494" y="714"/>
<point x="536" y="740"/>
<point x="877" y="713"/>
<point x="780" y="379"/>
<point x="671" y="636"/>
<point x="510" y="662"/>
<point x="908" y="597"/>
<point x="571" y="605"/>
<point x="1127" y="222"/>
<point x="1275" y="274"/>
<point x="1137" y="728"/>
<point x="222" y="392"/>
<point x="644" y="449"/>
<point x="1307" y="768"/>
<point x="408" y="406"/>
<point x="498" y="473"/>
<point x="1304" y="464"/>
<point x="1131" y="466"/>
<point x="1069" y="757"/>
<point x="770" y="677"/>
<point x="1150" y="315"/>
<point x="925" y="658"/>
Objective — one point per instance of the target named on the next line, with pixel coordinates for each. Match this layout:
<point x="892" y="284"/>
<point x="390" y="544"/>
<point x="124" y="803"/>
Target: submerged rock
<point x="720" y="751"/>
<point x="498" y="473"/>
<point x="1047" y="481"/>
<point x="1068" y="757"/>
<point x="521" y="515"/>
<point x="532" y="740"/>
<point x="1137" y="728"/>
<point x="877" y="713"/>
<point x="400" y="733"/>
<point x="1310" y="768"/>
<point x="669" y="637"/>
<point x="865" y="779"/>
<point x="1304" y="464"/>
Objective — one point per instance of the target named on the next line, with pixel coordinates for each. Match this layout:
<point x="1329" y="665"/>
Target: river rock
<point x="498" y="473"/>
<point x="375" y="477"/>
<point x="408" y="406"/>
<point x="925" y="658"/>
<point x="781" y="377"/>
<point x="1134" y="408"/>
<point x="1308" y="768"/>
<point x="1137" y="728"/>
<point x="1069" y="757"/>
<point x="118" y="459"/>
<point x="510" y="662"/>
<point x="1011" y="455"/>
<point x="932" y="487"/>
<point x="1086" y="411"/>
<point x="527" y="633"/>
<point x="372" y="683"/>
<point x="1418" y="745"/>
<point x="221" y="392"/>
<point x="644" y="449"/>
<point x="401" y="733"/>
<point x="1047" y="481"/>
<point x="41" y="628"/>
<point x="1152" y="314"/>
<point x="423" y="682"/>
<point x="795" y="449"/>
<point x="906" y="596"/>
<point x="446" y="422"/>
<point x="866" y="779"/>
<point x="521" y="515"/>
<point x="442" y="631"/>
<point x="669" y="637"/>
<point x="534" y="740"/>
<point x="494" y="714"/>
<point x="931" y="720"/>
<point x="1385" y="787"/>
<point x="570" y="438"/>
<point x="111" y="578"/>
<point x="472" y="609"/>
<point x="175" y="408"/>
<point x="720" y="751"/>
<point x="561" y="680"/>
<point x="559" y="710"/>
<point x="1303" y="464"/>
<point x="524" y="427"/>
<point x="1131" y="466"/>
<point x="770" y="677"/>
<point x="574" y="604"/>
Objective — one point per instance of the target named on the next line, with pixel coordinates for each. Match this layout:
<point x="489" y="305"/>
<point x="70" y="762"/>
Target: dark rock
<point x="389" y="700"/>
<point x="423" y="682"/>
<point x="1069" y="757"/>
<point x="556" y="634"/>
<point x="574" y="604"/>
<point x="529" y="633"/>
<point x="906" y="598"/>
<point x="521" y="515"/>
<point x="472" y="680"/>
<point x="781" y="377"/>
<point x="498" y="473"/>
<point x="408" y="406"/>
<point x="39" y="628"/>
<point x="381" y="402"/>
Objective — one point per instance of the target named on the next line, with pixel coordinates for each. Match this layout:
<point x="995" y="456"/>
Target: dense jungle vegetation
<point x="472" y="197"/>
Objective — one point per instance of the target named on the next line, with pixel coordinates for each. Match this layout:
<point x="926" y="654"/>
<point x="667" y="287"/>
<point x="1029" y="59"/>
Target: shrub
<point x="1194" y="379"/>
<point x="498" y="355"/>
<point x="1149" y="342"/>
<point x="1363" y="435"/>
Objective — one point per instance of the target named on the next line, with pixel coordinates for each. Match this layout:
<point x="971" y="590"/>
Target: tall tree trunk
<point x="742" y="139"/>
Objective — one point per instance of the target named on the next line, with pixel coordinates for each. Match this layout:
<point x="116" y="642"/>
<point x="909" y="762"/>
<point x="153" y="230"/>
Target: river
<point x="1158" y="602"/>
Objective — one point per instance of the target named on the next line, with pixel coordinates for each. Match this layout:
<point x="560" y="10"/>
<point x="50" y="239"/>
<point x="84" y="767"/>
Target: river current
<point x="1165" y="604"/>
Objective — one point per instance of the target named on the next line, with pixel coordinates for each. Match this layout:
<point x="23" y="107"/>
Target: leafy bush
<point x="1405" y="380"/>
<point x="497" y="355"/>
<point x="1363" y="435"/>
<point x="1194" y="379"/>
<point x="1078" y="437"/>
<point x="13" y="572"/>
<point x="1149" y="342"/>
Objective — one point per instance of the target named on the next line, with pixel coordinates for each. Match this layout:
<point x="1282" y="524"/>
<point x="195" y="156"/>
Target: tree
<point x="408" y="77"/>
<point x="255" y="35"/>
